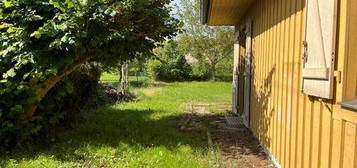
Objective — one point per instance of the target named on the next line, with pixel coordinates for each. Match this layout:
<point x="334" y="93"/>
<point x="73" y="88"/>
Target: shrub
<point x="62" y="104"/>
<point x="154" y="69"/>
<point x="174" y="70"/>
<point x="200" y="71"/>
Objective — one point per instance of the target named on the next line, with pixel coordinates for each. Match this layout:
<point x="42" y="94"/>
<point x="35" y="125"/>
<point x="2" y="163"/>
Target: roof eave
<point x="224" y="13"/>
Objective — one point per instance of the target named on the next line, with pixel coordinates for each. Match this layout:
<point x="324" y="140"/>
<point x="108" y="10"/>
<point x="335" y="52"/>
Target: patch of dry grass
<point x="151" y="91"/>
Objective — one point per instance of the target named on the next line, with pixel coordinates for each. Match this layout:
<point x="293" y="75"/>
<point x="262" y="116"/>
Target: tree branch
<point x="49" y="83"/>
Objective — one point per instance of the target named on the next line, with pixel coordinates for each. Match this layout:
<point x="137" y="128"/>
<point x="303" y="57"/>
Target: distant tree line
<point x="212" y="47"/>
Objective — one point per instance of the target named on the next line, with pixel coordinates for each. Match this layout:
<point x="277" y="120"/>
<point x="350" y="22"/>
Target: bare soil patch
<point x="240" y="149"/>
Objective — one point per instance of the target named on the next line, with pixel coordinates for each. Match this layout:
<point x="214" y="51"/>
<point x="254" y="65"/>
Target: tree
<point x="42" y="41"/>
<point x="207" y="44"/>
<point x="169" y="63"/>
<point x="124" y="81"/>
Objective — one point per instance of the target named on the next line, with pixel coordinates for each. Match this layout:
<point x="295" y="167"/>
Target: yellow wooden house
<point x="295" y="76"/>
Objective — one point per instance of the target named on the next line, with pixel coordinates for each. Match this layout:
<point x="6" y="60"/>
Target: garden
<point x="116" y="83"/>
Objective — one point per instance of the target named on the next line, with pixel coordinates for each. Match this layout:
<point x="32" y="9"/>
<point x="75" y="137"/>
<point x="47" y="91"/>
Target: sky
<point x="174" y="9"/>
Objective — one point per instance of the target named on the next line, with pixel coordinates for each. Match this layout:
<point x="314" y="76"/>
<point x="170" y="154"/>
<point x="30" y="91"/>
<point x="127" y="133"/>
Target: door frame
<point x="247" y="72"/>
<point x="236" y="78"/>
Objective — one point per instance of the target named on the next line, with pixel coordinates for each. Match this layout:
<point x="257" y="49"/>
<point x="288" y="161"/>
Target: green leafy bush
<point x="174" y="70"/>
<point x="169" y="64"/>
<point x="62" y="104"/>
<point x="154" y="69"/>
<point x="201" y="71"/>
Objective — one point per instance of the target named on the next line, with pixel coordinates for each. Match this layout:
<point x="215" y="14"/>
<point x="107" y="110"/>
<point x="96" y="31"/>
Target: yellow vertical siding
<point x="300" y="131"/>
<point x="351" y="72"/>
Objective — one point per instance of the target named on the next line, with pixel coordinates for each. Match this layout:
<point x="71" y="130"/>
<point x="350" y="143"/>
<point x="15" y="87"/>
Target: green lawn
<point x="135" y="134"/>
<point x="109" y="78"/>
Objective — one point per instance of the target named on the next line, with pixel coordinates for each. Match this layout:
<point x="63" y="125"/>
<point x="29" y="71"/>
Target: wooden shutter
<point x="319" y="47"/>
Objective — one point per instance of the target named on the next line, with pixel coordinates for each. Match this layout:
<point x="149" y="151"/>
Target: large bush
<point x="62" y="103"/>
<point x="173" y="70"/>
<point x="201" y="71"/>
<point x="170" y="63"/>
<point x="43" y="41"/>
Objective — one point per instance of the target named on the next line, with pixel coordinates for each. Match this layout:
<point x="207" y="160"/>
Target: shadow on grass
<point x="110" y="127"/>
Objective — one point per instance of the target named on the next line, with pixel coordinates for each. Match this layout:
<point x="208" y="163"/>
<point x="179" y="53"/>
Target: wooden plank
<point x="294" y="89"/>
<point x="351" y="69"/>
<point x="274" y="81"/>
<point x="316" y="73"/>
<point x="326" y="138"/>
<point x="285" y="81"/>
<point x="270" y="74"/>
<point x="342" y="48"/>
<point x="349" y="145"/>
<point x="336" y="143"/>
<point x="316" y="133"/>
<point x="344" y="114"/>
<point x="279" y="85"/>
<point x="302" y="99"/>
<point x="263" y="68"/>
<point x="291" y="130"/>
<point x="308" y="112"/>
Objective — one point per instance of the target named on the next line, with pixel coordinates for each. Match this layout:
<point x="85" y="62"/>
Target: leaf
<point x="17" y="109"/>
<point x="36" y="17"/>
<point x="8" y="4"/>
<point x="57" y="5"/>
<point x="84" y="2"/>
<point x="52" y="71"/>
<point x="113" y="13"/>
<point x="36" y="34"/>
<point x="10" y="30"/>
<point x="2" y="26"/>
<point x="70" y="3"/>
<point x="10" y="73"/>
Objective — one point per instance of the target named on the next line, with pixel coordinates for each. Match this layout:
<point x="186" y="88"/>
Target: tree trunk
<point x="120" y="73"/>
<point x="213" y="72"/>
<point x="47" y="85"/>
<point x="124" y="84"/>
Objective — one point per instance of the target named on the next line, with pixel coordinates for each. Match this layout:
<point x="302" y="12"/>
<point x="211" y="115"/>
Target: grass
<point x="114" y="78"/>
<point x="134" y="134"/>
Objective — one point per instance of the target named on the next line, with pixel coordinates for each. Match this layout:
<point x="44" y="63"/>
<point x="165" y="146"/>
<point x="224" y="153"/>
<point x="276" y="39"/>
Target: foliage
<point x="43" y="41"/>
<point x="154" y="69"/>
<point x="200" y="72"/>
<point x="63" y="103"/>
<point x="170" y="64"/>
<point x="208" y="44"/>
<point x="67" y="99"/>
<point x="174" y="70"/>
